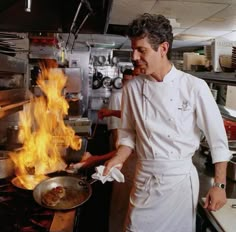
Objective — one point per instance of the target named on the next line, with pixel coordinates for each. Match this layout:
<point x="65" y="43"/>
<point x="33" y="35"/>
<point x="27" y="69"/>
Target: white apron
<point x="161" y="201"/>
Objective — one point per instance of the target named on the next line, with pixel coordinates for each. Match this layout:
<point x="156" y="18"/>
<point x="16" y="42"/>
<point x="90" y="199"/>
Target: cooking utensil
<point x="31" y="181"/>
<point x="6" y="165"/>
<point x="101" y="60"/>
<point x="97" y="80"/>
<point x="77" y="191"/>
<point x="107" y="82"/>
<point x="117" y="83"/>
<point x="115" y="60"/>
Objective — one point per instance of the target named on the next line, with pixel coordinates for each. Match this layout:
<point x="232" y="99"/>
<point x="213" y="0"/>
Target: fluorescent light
<point x="28" y="5"/>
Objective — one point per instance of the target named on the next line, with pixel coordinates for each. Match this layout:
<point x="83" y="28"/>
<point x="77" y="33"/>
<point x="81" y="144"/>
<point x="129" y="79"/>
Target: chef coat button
<point x="170" y="119"/>
<point x="168" y="136"/>
<point x="171" y="99"/>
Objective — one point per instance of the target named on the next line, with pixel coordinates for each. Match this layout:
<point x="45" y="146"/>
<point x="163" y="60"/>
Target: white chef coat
<point x="114" y="104"/>
<point x="163" y="121"/>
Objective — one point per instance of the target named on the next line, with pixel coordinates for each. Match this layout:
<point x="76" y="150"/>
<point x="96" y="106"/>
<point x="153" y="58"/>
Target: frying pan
<point x="97" y="80"/>
<point x="32" y="180"/>
<point x="101" y="60"/>
<point x="77" y="191"/>
<point x="107" y="82"/>
<point x="117" y="83"/>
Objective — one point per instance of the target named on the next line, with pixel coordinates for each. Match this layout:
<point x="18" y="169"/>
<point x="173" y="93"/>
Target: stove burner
<point x="20" y="213"/>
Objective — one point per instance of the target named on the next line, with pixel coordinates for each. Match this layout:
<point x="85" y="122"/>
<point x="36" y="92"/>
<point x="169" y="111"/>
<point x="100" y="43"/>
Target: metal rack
<point x="13" y="98"/>
<point x="218" y="78"/>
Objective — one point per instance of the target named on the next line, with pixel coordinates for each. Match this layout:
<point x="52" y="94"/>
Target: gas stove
<point x="19" y="212"/>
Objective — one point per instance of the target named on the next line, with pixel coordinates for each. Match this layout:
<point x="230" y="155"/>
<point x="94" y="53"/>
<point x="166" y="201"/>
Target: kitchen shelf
<point x="12" y="65"/>
<point x="227" y="113"/>
<point x="222" y="79"/>
<point x="218" y="78"/>
<point x="12" y="108"/>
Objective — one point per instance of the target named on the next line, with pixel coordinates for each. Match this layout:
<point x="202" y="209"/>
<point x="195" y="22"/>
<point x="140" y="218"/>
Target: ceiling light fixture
<point x="174" y="23"/>
<point x="28" y="5"/>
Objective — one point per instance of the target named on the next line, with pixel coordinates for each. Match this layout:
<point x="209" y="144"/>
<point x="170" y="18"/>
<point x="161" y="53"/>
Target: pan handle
<point x="92" y="181"/>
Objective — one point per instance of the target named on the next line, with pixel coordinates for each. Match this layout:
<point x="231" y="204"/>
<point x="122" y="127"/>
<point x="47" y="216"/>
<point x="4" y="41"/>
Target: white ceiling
<point x="195" y="22"/>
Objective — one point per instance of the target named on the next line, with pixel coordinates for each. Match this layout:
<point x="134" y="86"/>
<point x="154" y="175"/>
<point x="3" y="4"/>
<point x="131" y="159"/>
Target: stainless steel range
<point x="19" y="211"/>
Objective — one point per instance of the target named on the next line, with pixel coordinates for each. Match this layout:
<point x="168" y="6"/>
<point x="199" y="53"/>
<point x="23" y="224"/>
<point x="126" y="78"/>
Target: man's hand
<point x="115" y="161"/>
<point x="119" y="157"/>
<point x="87" y="161"/>
<point x="215" y="199"/>
<point x="102" y="113"/>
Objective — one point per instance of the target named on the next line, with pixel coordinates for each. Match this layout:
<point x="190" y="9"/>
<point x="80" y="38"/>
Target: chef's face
<point x="146" y="59"/>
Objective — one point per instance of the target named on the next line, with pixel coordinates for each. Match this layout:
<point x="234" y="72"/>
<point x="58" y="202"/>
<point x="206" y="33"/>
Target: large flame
<point x="42" y="129"/>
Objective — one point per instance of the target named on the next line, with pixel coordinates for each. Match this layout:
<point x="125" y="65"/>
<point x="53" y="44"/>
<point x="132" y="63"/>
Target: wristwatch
<point x="220" y="185"/>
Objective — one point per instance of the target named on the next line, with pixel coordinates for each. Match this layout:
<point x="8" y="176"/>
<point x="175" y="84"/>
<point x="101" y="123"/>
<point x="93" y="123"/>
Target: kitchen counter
<point x="206" y="177"/>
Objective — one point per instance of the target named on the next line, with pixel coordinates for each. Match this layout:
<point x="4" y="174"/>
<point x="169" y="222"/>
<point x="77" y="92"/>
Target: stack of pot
<point x="12" y="138"/>
<point x="6" y="165"/>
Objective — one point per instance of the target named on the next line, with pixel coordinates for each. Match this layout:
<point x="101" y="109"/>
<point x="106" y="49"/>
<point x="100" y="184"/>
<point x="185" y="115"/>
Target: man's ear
<point x="164" y="47"/>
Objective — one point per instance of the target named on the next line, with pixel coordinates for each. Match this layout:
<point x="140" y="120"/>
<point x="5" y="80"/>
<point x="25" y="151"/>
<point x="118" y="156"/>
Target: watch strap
<point x="220" y="185"/>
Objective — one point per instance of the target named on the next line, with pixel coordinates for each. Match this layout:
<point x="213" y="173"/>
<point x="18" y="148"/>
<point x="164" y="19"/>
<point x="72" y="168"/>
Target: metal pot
<point x="107" y="82"/>
<point x="101" y="60"/>
<point x="97" y="80"/>
<point x="12" y="138"/>
<point x="117" y="83"/>
<point x="77" y="191"/>
<point x="6" y="165"/>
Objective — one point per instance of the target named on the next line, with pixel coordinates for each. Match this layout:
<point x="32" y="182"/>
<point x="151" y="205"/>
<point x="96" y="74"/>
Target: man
<point x="164" y="111"/>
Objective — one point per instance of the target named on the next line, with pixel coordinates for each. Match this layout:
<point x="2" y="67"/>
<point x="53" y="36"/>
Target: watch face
<point x="219" y="185"/>
<point x="222" y="186"/>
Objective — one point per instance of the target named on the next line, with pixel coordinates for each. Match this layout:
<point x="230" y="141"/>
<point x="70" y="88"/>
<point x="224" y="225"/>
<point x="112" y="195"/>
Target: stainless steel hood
<point x="52" y="16"/>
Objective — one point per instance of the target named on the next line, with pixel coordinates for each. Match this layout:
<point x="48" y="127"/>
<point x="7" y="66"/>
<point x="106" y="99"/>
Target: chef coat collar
<point x="171" y="75"/>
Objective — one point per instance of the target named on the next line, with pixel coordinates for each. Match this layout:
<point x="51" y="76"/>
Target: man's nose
<point x="135" y="56"/>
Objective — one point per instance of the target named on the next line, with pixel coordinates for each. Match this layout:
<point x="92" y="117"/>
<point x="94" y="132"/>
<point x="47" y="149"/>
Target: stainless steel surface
<point x="107" y="82"/>
<point x="94" y="130"/>
<point x="6" y="165"/>
<point x="12" y="138"/>
<point x="12" y="64"/>
<point x="231" y="169"/>
<point x="73" y="156"/>
<point x="227" y="113"/>
<point x="77" y="191"/>
<point x="117" y="82"/>
<point x="206" y="177"/>
<point x="12" y="96"/>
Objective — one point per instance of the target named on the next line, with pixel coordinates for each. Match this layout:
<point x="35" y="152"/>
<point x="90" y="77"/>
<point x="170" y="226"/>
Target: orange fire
<point x="42" y="129"/>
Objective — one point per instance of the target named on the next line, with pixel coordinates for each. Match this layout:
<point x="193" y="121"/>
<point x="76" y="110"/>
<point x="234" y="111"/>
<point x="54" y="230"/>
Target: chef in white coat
<point x="164" y="111"/>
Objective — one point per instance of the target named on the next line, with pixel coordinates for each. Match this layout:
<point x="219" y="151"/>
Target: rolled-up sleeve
<point x="211" y="123"/>
<point x="126" y="135"/>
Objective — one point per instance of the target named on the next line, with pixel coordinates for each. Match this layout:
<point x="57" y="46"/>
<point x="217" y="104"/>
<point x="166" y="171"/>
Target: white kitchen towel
<point x="114" y="174"/>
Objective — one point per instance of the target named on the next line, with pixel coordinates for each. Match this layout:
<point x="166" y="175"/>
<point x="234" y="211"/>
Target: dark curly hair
<point x="156" y="28"/>
<point x="128" y="72"/>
